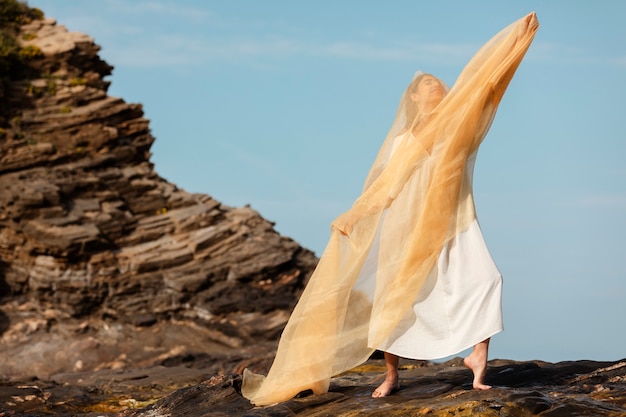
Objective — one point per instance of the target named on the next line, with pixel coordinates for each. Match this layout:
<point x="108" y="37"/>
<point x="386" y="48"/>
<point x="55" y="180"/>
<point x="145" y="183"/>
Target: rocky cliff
<point x="104" y="264"/>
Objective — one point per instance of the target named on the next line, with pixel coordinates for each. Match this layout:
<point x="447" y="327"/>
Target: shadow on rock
<point x="5" y="291"/>
<point x="5" y="322"/>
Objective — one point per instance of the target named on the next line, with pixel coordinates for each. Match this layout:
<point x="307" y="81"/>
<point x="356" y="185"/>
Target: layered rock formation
<point x="104" y="264"/>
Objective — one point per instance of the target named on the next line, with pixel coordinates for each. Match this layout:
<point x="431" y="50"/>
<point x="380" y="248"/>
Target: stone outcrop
<point x="520" y="389"/>
<point x="582" y="388"/>
<point x="97" y="250"/>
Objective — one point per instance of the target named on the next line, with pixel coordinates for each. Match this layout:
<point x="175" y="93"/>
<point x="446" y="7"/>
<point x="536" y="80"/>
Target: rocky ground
<point x="520" y="389"/>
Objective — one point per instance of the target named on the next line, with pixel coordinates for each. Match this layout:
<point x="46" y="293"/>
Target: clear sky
<point x="282" y="105"/>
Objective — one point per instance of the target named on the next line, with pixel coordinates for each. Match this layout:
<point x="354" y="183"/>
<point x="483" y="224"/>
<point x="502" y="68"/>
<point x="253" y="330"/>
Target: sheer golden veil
<point x="348" y="311"/>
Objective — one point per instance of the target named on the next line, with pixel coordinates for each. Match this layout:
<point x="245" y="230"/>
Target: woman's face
<point x="429" y="90"/>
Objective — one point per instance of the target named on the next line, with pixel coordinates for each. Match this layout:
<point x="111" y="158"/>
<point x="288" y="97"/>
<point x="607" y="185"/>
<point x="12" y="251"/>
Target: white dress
<point x="458" y="306"/>
<point x="460" y="303"/>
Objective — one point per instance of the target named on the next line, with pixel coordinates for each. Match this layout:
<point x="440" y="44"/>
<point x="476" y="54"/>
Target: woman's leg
<point x="391" y="383"/>
<point x="477" y="362"/>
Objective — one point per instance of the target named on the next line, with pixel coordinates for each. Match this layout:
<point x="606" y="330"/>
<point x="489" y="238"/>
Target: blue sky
<point x="283" y="105"/>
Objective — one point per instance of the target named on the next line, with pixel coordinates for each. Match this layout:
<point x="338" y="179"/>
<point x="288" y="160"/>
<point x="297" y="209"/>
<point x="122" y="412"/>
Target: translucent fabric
<point x="415" y="200"/>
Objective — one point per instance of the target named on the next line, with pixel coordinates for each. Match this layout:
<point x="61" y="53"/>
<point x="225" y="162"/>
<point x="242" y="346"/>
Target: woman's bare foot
<point x="388" y="387"/>
<point x="391" y="383"/>
<point x="477" y="363"/>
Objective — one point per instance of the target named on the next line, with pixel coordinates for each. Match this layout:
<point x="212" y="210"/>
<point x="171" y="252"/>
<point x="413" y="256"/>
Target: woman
<point x="378" y="284"/>
<point x="465" y="282"/>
